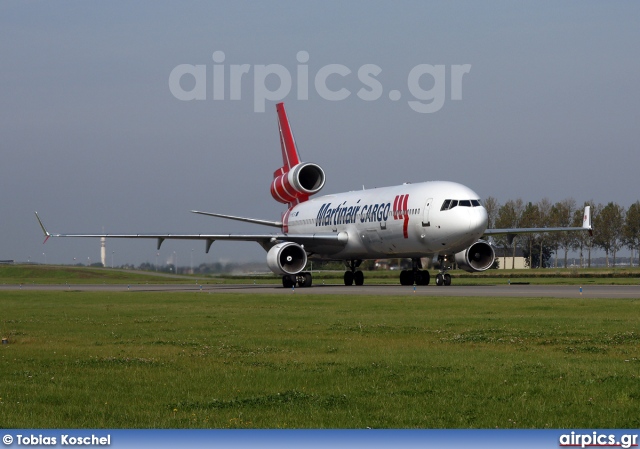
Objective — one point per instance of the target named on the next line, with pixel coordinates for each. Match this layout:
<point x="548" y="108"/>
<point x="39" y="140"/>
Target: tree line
<point x="614" y="228"/>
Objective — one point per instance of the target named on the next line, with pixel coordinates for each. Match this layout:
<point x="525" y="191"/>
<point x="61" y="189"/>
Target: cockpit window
<point x="450" y="204"/>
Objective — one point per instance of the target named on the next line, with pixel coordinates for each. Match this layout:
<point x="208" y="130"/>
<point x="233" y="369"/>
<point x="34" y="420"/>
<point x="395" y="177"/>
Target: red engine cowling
<point x="301" y="181"/>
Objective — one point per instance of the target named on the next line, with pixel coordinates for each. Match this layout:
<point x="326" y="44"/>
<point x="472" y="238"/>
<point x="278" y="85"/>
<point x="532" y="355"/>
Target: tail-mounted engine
<point x="478" y="257"/>
<point x="287" y="258"/>
<point x="301" y="181"/>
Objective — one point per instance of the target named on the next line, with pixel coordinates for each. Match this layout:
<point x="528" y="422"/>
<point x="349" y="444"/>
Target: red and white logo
<point x="400" y="212"/>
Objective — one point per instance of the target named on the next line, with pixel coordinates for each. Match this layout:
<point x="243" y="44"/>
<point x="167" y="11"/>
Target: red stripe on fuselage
<point x="395" y="207"/>
<point x="405" y="226"/>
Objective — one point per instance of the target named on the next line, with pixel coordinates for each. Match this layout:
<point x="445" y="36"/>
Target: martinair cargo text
<point x="440" y="219"/>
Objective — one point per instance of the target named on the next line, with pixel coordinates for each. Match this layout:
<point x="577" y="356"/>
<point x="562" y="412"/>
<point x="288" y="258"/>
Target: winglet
<point x="46" y="233"/>
<point x="586" y="220"/>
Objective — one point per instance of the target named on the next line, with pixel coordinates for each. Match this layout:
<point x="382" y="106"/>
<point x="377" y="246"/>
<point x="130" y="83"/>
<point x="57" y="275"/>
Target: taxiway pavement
<point x="504" y="290"/>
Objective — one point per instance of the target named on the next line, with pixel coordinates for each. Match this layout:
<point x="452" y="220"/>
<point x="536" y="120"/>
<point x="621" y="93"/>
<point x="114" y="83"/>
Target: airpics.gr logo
<point x="274" y="82"/>
<point x="597" y="439"/>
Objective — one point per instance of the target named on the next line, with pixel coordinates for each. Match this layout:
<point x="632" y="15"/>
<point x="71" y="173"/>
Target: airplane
<point x="440" y="219"/>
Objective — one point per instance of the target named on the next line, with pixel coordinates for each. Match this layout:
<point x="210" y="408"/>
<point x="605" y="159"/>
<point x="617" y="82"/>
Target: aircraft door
<point x="425" y="215"/>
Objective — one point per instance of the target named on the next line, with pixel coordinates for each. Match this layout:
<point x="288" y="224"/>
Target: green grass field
<point x="60" y="274"/>
<point x="199" y="360"/>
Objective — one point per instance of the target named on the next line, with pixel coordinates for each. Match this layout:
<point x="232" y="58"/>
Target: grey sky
<point x="92" y="137"/>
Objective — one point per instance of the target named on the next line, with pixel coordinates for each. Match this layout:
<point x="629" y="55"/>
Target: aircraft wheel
<point x="307" y="280"/>
<point x="425" y="278"/>
<point x="358" y="278"/>
<point x="348" y="278"/>
<point x="439" y="279"/>
<point x="288" y="281"/>
<point x="406" y="277"/>
<point x="447" y="279"/>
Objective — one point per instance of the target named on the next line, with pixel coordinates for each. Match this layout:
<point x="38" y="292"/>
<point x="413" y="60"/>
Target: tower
<point x="103" y="251"/>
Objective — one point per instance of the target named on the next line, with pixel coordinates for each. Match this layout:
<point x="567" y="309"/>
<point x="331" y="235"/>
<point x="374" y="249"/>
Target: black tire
<point x="425" y="278"/>
<point x="358" y="278"/>
<point x="308" y="280"/>
<point x="288" y="281"/>
<point x="348" y="278"/>
<point x="406" y="277"/>
<point x="447" y="279"/>
<point x="439" y="279"/>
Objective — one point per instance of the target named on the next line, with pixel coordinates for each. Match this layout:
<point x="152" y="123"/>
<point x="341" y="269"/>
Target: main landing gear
<point x="352" y="276"/>
<point x="302" y="279"/>
<point x="416" y="275"/>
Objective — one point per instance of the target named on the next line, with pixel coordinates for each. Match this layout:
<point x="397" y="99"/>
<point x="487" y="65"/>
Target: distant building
<point x="505" y="259"/>
<point x="6" y="262"/>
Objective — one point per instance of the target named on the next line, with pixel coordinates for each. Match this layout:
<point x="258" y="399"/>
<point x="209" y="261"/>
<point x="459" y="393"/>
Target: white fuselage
<point x="400" y="221"/>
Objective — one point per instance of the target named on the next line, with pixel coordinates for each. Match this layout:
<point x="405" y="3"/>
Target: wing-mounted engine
<point x="287" y="258"/>
<point x="300" y="182"/>
<point x="478" y="257"/>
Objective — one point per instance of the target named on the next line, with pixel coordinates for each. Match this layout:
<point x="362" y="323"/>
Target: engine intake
<point x="302" y="180"/>
<point x="287" y="258"/>
<point x="478" y="257"/>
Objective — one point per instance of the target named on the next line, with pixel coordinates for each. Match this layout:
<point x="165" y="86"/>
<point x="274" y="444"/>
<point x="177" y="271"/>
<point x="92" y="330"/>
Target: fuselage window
<point x="445" y="205"/>
<point x="465" y="203"/>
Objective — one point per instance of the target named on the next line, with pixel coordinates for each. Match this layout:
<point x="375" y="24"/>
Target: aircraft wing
<point x="265" y="240"/>
<point x="275" y="224"/>
<point x="512" y="232"/>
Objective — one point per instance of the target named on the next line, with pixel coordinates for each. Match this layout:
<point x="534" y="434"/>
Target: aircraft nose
<point x="479" y="220"/>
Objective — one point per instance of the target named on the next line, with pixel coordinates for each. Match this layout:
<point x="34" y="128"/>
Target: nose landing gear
<point x="444" y="278"/>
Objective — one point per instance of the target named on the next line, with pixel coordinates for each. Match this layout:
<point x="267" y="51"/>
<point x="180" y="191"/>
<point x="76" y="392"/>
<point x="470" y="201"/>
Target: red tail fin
<point x="290" y="157"/>
<point x="294" y="182"/>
